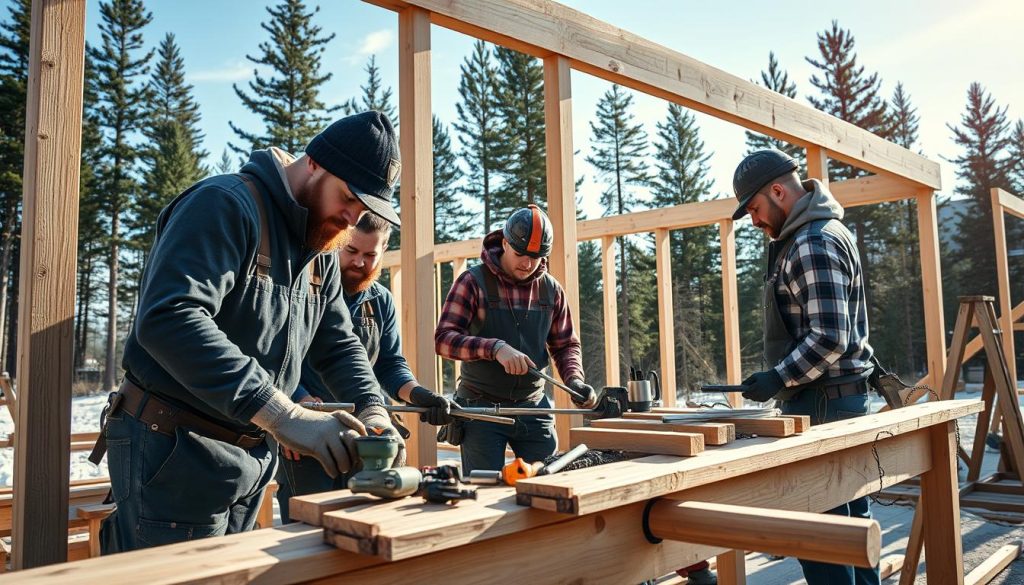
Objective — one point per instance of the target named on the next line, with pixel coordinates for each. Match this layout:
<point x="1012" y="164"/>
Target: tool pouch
<point x="452" y="433"/>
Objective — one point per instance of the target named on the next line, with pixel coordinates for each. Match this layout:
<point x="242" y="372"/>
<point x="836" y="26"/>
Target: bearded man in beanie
<point x="816" y="347"/>
<point x="241" y="283"/>
<point x="502" y="317"/>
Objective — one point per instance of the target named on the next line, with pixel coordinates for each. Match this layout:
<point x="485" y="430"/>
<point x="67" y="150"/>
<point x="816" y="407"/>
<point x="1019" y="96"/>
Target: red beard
<point x="355" y="280"/>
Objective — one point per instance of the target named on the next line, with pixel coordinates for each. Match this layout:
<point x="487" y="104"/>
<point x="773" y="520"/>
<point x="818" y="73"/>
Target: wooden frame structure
<point x="1003" y="203"/>
<point x="566" y="40"/>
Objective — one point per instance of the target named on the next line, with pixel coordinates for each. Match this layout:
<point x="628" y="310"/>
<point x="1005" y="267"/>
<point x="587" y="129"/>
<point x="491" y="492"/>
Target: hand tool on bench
<point x="725" y="388"/>
<point x="438" y="485"/>
<point x="555" y="382"/>
<point x="520" y="469"/>
<point x="466" y="413"/>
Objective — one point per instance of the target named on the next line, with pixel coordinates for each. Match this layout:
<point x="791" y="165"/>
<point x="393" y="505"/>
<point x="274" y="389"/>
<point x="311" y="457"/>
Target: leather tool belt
<point x="165" y="418"/>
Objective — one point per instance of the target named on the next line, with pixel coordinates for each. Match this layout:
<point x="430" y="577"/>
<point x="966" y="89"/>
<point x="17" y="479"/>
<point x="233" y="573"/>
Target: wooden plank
<point x="931" y="285"/>
<point x="448" y="252"/>
<point x="801" y="422"/>
<point x="815" y="537"/>
<point x="654" y="442"/>
<point x="1003" y="278"/>
<point x="676" y="217"/>
<point x="988" y="396"/>
<point x="998" y="502"/>
<point x="940" y="506"/>
<point x="730" y="309"/>
<point x="766" y="427"/>
<point x="561" y="194"/>
<point x="713" y="433"/>
<point x="611" y="312"/>
<point x="666" y="319"/>
<point x="731" y="567"/>
<point x="309" y="509"/>
<point x="49" y="235"/>
<point x="889" y="566"/>
<point x="417" y="233"/>
<point x="993" y="565"/>
<point x="615" y="484"/>
<point x="1011" y="203"/>
<point x="395" y="530"/>
<point x="10" y="397"/>
<point x="1006" y="396"/>
<point x="616" y="55"/>
<point x="872" y="190"/>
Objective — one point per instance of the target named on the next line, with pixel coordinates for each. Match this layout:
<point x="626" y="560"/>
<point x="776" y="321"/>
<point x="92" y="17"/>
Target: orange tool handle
<point x="519" y="469"/>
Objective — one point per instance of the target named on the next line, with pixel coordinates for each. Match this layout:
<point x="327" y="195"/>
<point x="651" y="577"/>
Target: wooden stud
<point x="915" y="544"/>
<point x="1003" y="280"/>
<point x="871" y="190"/>
<point x="49" y="235"/>
<point x="815" y="537"/>
<point x="714" y="433"/>
<point x="541" y="27"/>
<point x="931" y="284"/>
<point x="731" y="309"/>
<point x="817" y="164"/>
<point x="561" y="185"/>
<point x="666" y="319"/>
<point x="1006" y="396"/>
<point x="309" y="509"/>
<point x="416" y="144"/>
<point x="611" y="312"/>
<point x="994" y="565"/>
<point x="677" y="217"/>
<point x="458" y="267"/>
<point x="731" y="567"/>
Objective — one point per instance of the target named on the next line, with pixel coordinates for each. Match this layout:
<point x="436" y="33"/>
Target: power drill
<point x="377" y="453"/>
<point x="442" y="485"/>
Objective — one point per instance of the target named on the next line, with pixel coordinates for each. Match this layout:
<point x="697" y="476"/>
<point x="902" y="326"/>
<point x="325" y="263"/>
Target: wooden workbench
<point x="599" y="538"/>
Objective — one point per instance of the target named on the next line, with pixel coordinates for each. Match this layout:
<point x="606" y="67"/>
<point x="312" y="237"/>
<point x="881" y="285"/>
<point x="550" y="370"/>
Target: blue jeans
<point x="814" y="403"/>
<point x="483" y="444"/>
<point x="172" y="489"/>
<point x="303" y="477"/>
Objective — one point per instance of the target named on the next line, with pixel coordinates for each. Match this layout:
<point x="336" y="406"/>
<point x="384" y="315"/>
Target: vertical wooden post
<point x="731" y="567"/>
<point x="666" y="319"/>
<point x="416" y="143"/>
<point x="931" y="284"/>
<point x="396" y="291"/>
<point x="438" y="363"/>
<point x="1003" y="280"/>
<point x="730" y="309"/>
<point x="611" y="312"/>
<point x="941" y="507"/>
<point x="563" y="262"/>
<point x="49" y="236"/>
<point x="458" y="267"/>
<point x="817" y="164"/>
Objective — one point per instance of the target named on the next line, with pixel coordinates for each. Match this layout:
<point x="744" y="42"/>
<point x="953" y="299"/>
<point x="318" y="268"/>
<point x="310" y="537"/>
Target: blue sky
<point x="935" y="48"/>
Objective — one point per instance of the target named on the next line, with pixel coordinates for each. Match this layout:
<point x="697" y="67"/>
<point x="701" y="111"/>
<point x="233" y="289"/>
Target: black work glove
<point x="440" y="407"/>
<point x="763" y="386"/>
<point x="586" y="391"/>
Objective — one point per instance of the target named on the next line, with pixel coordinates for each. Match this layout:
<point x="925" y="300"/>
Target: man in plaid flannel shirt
<point x="502" y="317"/>
<point x="816" y="324"/>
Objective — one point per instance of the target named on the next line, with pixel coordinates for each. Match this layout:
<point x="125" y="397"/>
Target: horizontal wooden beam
<point x="872" y="189"/>
<point x="1011" y="203"/>
<point x="671" y="218"/>
<point x="542" y="27"/>
<point x="805" y="535"/>
<point x="654" y="442"/>
<point x="714" y="433"/>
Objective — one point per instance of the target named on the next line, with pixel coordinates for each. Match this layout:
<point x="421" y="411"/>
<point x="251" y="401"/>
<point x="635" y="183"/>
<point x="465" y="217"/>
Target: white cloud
<point x="236" y="71"/>
<point x="373" y="43"/>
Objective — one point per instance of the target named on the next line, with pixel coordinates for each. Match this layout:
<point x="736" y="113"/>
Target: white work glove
<point x="328" y="437"/>
<point x="514" y="361"/>
<point x="377" y="417"/>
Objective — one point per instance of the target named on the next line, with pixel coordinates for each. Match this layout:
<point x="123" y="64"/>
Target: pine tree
<point x="14" y="55"/>
<point x="777" y="80"/>
<point x="375" y="95"/>
<point x="121" y="97"/>
<point x="288" y="101"/>
<point x="1016" y="158"/>
<point x="225" y="165"/>
<point x="984" y="137"/>
<point x="850" y="94"/>
<point x="521" y="111"/>
<point x="619" y="147"/>
<point x="174" y="153"/>
<point x="451" y="218"/>
<point x="682" y="177"/>
<point x="479" y="132"/>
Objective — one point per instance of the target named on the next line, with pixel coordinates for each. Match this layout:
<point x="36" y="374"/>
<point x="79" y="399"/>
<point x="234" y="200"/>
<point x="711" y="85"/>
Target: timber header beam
<point x="543" y="27"/>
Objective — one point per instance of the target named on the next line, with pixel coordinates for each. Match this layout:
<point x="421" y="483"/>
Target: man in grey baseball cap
<point x="816" y="348"/>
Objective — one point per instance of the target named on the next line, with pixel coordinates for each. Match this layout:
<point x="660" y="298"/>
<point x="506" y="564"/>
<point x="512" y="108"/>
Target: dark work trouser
<point x="173" y="489"/>
<point x="302" y="477"/>
<point x="814" y="403"/>
<point x="483" y="445"/>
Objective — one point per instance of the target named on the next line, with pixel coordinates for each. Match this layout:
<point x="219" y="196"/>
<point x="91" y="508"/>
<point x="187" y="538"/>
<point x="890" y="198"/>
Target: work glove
<point x="376" y="416"/>
<point x="586" y="391"/>
<point x="329" y="437"/>
<point x="763" y="386"/>
<point x="440" y="407"/>
<point x="514" y="361"/>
